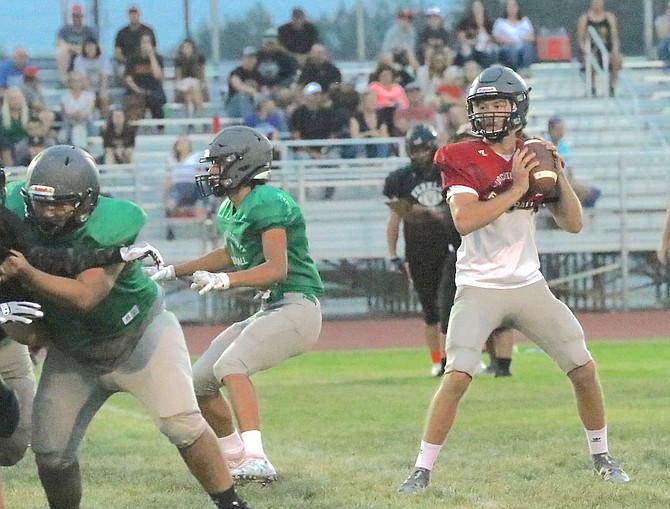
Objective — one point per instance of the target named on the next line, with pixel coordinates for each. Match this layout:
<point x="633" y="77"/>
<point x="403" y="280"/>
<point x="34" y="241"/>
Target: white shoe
<point x="255" y="470"/>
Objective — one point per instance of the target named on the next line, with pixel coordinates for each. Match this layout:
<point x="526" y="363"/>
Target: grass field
<point x="343" y="428"/>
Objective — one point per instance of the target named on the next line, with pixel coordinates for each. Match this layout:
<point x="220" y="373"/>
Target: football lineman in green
<point x="107" y="330"/>
<point x="265" y="247"/>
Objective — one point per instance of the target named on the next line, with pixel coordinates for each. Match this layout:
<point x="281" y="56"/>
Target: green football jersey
<point x="266" y="208"/>
<point x="114" y="222"/>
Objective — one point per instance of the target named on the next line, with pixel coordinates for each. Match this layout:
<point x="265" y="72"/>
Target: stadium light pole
<point x="214" y="28"/>
<point x="360" y="30"/>
<point x="187" y="19"/>
<point x="648" y="28"/>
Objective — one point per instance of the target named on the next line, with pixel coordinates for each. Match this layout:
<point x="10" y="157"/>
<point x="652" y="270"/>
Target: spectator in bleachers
<point x="189" y="73"/>
<point x="70" y="40"/>
<point x="390" y="95"/>
<point x="298" y="35"/>
<point x="97" y="69"/>
<point x="433" y="36"/>
<point x="662" y="27"/>
<point x="314" y="119"/>
<point x="243" y="85"/>
<point x="452" y="92"/>
<point x="367" y="122"/>
<point x="11" y="71"/>
<point x="318" y="68"/>
<point x="416" y="112"/>
<point x="14" y="116"/>
<point x="182" y="196"/>
<point x="401" y="36"/>
<point x="588" y="195"/>
<point x="77" y="107"/>
<point x="118" y="139"/>
<point x="474" y="37"/>
<point x="276" y="66"/>
<point x="127" y="41"/>
<point x="144" y="77"/>
<point x="34" y="145"/>
<point x="32" y="91"/>
<point x="606" y="25"/>
<point x="431" y="75"/>
<point x="515" y="36"/>
<point x="267" y="118"/>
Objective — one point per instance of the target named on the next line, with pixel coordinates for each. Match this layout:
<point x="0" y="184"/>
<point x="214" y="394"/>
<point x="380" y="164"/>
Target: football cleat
<point x="254" y="470"/>
<point x="607" y="468"/>
<point x="418" y="480"/>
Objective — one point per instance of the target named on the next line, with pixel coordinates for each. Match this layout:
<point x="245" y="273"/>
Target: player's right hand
<point x="522" y="162"/>
<point x="23" y="312"/>
<point x="165" y="273"/>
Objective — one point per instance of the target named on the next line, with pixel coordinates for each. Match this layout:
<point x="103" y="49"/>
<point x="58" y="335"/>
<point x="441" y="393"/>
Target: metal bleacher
<point x="618" y="144"/>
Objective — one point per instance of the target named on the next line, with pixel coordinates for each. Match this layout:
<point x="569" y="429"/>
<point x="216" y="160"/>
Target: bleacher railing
<point x="609" y="265"/>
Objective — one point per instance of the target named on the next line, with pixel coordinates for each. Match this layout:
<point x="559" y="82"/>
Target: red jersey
<point x="501" y="254"/>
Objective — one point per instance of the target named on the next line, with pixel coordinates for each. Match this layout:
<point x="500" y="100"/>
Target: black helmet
<point x="242" y="154"/>
<point x="58" y="175"/>
<point x="498" y="82"/>
<point x="420" y="138"/>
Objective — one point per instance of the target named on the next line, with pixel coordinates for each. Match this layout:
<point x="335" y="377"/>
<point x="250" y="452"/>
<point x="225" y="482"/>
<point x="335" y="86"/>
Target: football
<point x="543" y="177"/>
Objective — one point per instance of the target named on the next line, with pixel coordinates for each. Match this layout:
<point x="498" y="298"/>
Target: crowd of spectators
<point x="288" y="87"/>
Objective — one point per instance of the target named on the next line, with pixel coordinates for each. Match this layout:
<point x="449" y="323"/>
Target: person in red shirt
<point x="498" y="278"/>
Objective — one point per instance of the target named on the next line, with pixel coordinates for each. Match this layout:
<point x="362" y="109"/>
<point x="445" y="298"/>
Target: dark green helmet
<point x="421" y="143"/>
<point x="242" y="154"/>
<point x="498" y="82"/>
<point x="61" y="175"/>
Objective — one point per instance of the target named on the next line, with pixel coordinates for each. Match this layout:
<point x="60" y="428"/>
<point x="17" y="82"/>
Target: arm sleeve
<point x="58" y="261"/>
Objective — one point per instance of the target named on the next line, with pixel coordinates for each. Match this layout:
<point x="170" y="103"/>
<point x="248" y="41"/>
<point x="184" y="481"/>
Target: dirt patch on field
<point x="408" y="332"/>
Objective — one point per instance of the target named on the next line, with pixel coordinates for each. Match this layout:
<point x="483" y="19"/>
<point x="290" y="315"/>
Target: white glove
<point x="207" y="281"/>
<point x="165" y="273"/>
<point x="23" y="312"/>
<point x="139" y="251"/>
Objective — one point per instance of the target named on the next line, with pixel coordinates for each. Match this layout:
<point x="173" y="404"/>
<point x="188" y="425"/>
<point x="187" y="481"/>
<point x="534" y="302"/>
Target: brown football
<point x="543" y="177"/>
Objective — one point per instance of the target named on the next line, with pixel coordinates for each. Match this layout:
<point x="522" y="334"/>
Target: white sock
<point x="597" y="440"/>
<point x="232" y="445"/>
<point x="253" y="443"/>
<point x="427" y="455"/>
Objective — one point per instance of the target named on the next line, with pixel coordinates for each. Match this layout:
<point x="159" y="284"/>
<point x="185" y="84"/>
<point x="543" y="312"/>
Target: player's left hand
<point x="23" y="312"/>
<point x="206" y="281"/>
<point x="140" y="251"/>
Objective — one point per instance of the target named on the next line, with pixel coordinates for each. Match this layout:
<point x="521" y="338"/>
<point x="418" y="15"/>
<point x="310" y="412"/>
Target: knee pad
<point x="183" y="429"/>
<point x="53" y="462"/>
<point x="463" y="359"/>
<point x="205" y="382"/>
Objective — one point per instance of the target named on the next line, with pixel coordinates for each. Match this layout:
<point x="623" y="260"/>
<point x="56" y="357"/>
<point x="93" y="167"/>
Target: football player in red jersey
<point x="498" y="276"/>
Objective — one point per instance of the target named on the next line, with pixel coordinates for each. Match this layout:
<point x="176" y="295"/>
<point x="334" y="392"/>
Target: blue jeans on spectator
<point x="519" y="56"/>
<point x="240" y="105"/>
<point x="664" y="50"/>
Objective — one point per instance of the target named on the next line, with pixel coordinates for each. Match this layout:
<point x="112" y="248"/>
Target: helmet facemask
<point x="494" y="125"/>
<point x="220" y="183"/>
<point x="55" y="215"/>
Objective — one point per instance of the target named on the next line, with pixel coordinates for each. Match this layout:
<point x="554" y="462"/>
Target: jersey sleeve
<point x="274" y="211"/>
<point x="115" y="222"/>
<point x="391" y="185"/>
<point x="453" y="172"/>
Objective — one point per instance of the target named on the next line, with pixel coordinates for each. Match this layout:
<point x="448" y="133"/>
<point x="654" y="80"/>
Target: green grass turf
<point x="343" y="429"/>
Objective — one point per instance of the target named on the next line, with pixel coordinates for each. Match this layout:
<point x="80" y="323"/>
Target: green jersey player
<point x="107" y="329"/>
<point x="265" y="246"/>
